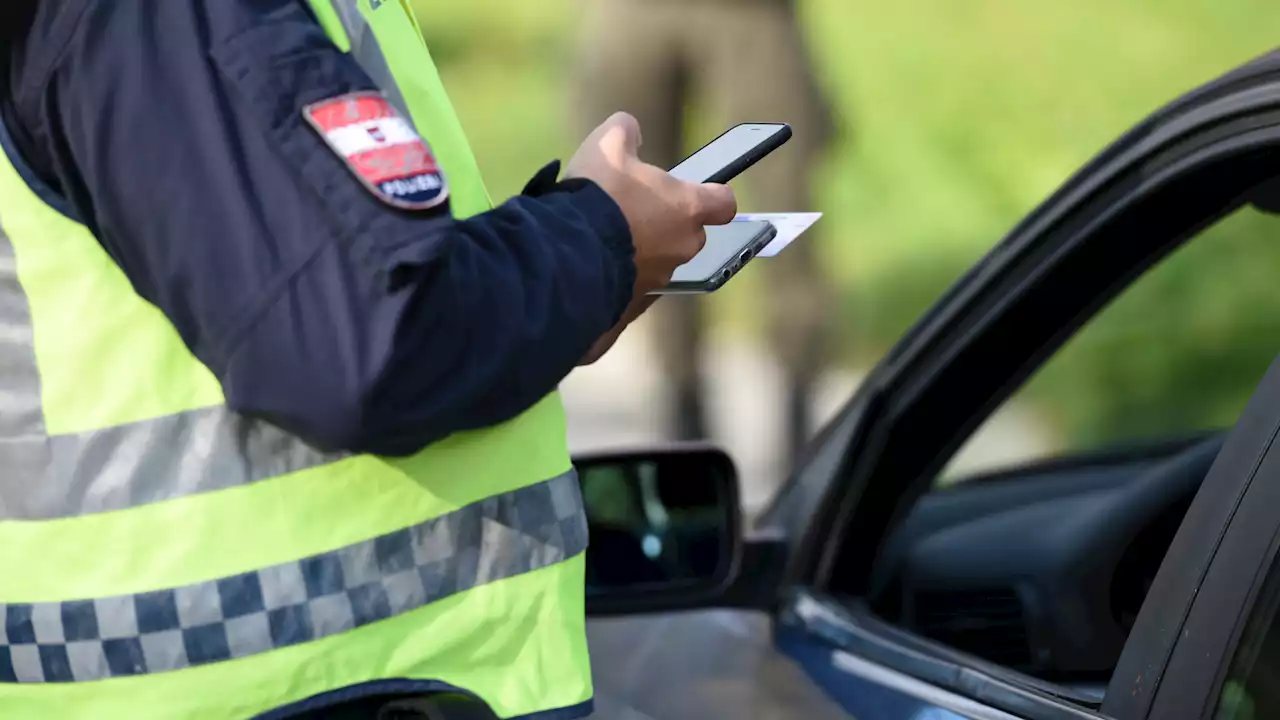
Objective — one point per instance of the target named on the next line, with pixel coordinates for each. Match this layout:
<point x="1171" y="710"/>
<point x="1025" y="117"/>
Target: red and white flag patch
<point x="382" y="148"/>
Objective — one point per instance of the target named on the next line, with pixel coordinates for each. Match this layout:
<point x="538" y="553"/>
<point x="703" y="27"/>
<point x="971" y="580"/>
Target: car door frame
<point x="1052" y="274"/>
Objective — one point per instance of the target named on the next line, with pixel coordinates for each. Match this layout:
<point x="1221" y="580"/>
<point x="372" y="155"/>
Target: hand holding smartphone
<point x="665" y="213"/>
<point x="729" y="247"/>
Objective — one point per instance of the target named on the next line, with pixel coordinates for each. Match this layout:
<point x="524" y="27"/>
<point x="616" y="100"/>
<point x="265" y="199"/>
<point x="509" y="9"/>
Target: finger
<point x="620" y="134"/>
<point x="716" y="204"/>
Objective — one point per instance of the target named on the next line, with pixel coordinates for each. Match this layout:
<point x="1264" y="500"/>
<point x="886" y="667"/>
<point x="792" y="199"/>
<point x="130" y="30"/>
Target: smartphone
<point x="726" y="157"/>
<point x="728" y="249"/>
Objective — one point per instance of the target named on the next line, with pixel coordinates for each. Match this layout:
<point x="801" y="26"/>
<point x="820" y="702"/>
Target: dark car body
<point x="800" y="629"/>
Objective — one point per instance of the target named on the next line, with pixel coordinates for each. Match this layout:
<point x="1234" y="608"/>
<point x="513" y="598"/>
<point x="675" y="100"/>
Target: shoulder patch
<point x="382" y="148"/>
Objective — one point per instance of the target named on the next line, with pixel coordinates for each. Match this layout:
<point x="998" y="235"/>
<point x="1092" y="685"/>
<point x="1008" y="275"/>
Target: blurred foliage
<point x="1181" y="350"/>
<point x="957" y="119"/>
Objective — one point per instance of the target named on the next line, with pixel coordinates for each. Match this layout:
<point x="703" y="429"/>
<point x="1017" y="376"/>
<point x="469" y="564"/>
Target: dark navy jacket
<point x="173" y="130"/>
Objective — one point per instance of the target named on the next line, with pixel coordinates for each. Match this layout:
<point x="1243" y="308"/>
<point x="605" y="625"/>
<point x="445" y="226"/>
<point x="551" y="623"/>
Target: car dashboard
<point x="1042" y="570"/>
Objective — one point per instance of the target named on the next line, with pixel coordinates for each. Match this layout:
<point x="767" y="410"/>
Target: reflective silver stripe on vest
<point x="45" y="477"/>
<point x="146" y="462"/>
<point x="368" y="53"/>
<point x="235" y="617"/>
<point x="22" y="435"/>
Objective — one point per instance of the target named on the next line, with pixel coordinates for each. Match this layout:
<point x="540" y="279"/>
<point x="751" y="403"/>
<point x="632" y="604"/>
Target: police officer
<point x="747" y="58"/>
<point x="279" y="430"/>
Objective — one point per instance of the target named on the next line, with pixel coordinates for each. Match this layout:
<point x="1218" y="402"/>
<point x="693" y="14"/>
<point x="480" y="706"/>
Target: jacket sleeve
<point x="175" y="130"/>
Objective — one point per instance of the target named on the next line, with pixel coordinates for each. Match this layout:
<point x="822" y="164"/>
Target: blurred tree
<point x="1180" y="351"/>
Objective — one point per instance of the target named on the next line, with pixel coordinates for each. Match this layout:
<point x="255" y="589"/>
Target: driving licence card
<point x="790" y="226"/>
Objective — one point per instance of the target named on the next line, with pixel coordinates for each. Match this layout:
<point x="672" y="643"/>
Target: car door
<point x="1187" y="166"/>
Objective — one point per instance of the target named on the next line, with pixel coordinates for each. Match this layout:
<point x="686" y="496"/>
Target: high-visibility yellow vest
<point x="162" y="556"/>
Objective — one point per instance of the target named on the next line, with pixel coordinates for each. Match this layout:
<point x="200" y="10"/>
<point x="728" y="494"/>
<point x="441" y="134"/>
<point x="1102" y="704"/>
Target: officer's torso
<point x="164" y="551"/>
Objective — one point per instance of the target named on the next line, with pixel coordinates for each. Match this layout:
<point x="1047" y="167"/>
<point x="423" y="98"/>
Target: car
<point x="1133" y="582"/>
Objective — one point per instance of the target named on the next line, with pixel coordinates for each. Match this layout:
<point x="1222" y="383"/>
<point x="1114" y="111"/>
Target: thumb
<point x="716" y="204"/>
<point x="620" y="135"/>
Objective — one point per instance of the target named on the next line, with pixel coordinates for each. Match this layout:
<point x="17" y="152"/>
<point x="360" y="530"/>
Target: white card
<point x="790" y="226"/>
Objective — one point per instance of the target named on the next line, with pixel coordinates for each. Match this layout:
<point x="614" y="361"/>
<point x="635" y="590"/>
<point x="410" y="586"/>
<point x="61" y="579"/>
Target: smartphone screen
<point x="740" y="146"/>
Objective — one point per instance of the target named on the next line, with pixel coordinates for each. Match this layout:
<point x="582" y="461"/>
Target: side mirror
<point x="665" y="528"/>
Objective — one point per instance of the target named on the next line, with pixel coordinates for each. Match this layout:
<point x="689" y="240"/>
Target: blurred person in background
<point x="747" y="60"/>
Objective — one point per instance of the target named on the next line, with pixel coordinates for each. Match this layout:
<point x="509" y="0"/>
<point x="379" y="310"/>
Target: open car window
<point x="1175" y="356"/>
<point x="981" y="571"/>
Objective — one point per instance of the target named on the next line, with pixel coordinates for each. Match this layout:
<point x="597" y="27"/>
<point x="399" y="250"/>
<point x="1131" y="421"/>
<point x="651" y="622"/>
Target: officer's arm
<point x="176" y="130"/>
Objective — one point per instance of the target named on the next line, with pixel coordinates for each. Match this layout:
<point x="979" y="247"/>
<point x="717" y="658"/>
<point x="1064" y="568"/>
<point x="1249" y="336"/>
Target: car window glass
<point x="1177" y="354"/>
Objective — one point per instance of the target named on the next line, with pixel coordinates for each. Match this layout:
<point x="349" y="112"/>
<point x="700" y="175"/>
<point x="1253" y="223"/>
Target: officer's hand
<point x="666" y="215"/>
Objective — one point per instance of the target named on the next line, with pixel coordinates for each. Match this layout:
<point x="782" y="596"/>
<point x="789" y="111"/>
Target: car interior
<point x="1043" y="568"/>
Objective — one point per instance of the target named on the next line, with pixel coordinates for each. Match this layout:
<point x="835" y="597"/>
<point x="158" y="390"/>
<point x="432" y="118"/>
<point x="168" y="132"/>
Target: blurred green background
<point x="957" y="119"/>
